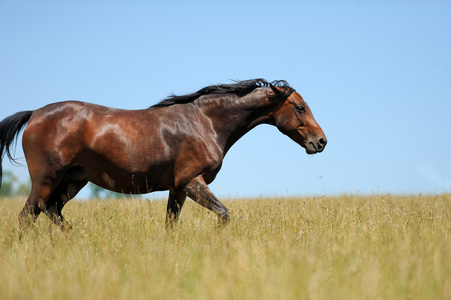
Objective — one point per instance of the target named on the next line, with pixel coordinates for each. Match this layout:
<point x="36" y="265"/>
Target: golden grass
<point x="376" y="247"/>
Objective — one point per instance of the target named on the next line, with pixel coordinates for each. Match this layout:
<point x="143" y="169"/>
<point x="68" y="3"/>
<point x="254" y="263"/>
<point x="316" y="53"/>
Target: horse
<point x="177" y="144"/>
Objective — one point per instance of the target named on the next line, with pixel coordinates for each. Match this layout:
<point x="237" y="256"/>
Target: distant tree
<point x="101" y="193"/>
<point x="24" y="188"/>
<point x="8" y="180"/>
<point x="11" y="186"/>
<point x="96" y="191"/>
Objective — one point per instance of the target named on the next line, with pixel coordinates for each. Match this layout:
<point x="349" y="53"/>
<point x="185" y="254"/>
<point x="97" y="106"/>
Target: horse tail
<point x="10" y="128"/>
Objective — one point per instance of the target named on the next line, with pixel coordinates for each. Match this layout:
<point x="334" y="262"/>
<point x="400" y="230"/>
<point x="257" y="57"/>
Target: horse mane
<point x="239" y="88"/>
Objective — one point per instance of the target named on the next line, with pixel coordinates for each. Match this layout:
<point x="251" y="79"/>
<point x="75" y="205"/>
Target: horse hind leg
<point x="74" y="180"/>
<point x="35" y="203"/>
<point x="59" y="198"/>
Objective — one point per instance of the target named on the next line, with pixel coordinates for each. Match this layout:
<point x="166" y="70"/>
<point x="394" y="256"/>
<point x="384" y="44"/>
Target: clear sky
<point x="376" y="74"/>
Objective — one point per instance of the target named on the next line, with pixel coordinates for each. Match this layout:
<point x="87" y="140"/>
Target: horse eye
<point x="300" y="109"/>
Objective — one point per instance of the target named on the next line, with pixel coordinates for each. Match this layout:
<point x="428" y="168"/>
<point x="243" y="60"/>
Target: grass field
<point x="375" y="247"/>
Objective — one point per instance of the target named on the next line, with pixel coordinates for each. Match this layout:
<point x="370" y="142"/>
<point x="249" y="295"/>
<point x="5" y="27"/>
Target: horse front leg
<point x="198" y="190"/>
<point x="175" y="204"/>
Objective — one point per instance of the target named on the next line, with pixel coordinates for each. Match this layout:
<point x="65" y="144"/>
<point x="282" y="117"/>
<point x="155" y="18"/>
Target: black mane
<point x="239" y="88"/>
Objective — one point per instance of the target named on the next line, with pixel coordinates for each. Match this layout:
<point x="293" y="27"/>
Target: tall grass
<point x="377" y="247"/>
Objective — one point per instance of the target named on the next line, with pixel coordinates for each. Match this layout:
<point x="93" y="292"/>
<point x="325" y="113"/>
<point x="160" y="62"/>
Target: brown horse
<point x="176" y="145"/>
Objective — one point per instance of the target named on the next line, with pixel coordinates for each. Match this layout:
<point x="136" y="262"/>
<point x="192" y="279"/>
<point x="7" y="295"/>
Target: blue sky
<point x="376" y="74"/>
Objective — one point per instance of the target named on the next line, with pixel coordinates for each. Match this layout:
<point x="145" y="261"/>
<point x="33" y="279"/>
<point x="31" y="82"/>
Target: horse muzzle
<point x="315" y="145"/>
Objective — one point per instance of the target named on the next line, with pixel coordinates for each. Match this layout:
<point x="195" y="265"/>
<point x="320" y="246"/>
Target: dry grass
<point x="378" y="247"/>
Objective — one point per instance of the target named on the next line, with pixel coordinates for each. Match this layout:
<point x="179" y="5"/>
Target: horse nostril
<point x="322" y="141"/>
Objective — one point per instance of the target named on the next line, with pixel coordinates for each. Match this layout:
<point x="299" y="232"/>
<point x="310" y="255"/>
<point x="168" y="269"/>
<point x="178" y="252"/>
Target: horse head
<point x="295" y="119"/>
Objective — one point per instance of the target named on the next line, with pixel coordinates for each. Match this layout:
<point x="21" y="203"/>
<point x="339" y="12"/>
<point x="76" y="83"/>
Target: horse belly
<point x="128" y="163"/>
<point x="123" y="180"/>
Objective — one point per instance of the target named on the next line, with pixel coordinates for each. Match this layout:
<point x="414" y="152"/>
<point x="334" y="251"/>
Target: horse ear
<point x="274" y="89"/>
<point x="281" y="91"/>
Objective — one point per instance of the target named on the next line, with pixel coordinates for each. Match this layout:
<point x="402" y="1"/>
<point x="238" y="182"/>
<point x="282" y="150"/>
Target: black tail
<point x="9" y="130"/>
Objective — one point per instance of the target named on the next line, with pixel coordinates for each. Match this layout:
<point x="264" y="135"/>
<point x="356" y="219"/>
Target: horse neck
<point x="233" y="117"/>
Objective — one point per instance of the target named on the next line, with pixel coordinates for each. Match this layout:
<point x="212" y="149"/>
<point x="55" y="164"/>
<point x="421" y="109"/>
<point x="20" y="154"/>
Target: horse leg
<point x="62" y="194"/>
<point x="198" y="190"/>
<point x="175" y="204"/>
<point x="35" y="203"/>
<point x="74" y="180"/>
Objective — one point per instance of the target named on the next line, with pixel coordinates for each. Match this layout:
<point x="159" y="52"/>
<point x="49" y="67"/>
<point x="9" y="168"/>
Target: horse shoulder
<point x="198" y="151"/>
